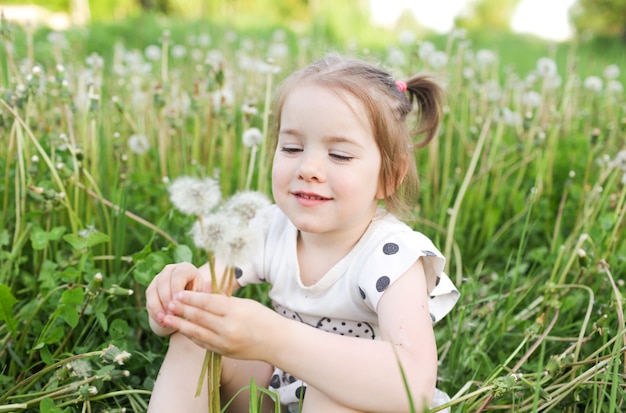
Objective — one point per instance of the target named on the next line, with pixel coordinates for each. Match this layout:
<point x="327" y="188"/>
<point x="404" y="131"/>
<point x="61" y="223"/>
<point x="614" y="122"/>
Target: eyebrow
<point x="331" y="139"/>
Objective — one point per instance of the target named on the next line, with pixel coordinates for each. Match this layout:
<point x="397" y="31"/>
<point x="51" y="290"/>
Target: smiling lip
<point x="308" y="198"/>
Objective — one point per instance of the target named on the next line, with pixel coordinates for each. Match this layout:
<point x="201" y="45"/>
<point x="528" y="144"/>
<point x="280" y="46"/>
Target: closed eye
<point x="341" y="158"/>
<point x="290" y="149"/>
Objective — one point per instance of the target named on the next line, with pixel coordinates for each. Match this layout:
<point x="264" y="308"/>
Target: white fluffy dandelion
<point x="546" y="67"/>
<point x="210" y="232"/>
<point x="612" y="71"/>
<point x="239" y="246"/>
<point x="193" y="196"/>
<point x="426" y="49"/>
<point x="593" y="83"/>
<point x="138" y="144"/>
<point x="153" y="52"/>
<point x="252" y="137"/>
<point x="244" y="205"/>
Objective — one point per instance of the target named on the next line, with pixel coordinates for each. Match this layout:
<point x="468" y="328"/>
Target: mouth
<point x="312" y="197"/>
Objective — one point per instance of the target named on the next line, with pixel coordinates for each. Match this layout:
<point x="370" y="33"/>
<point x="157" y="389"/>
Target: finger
<point x="217" y="304"/>
<point x="203" y="337"/>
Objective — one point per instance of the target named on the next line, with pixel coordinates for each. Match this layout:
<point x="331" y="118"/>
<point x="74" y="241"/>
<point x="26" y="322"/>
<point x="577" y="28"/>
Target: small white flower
<point x="593" y="83"/>
<point x="611" y="72"/>
<point x="252" y="137"/>
<point x="546" y="67"/>
<point x="396" y="57"/>
<point x="138" y="144"/>
<point x="193" y="196"/>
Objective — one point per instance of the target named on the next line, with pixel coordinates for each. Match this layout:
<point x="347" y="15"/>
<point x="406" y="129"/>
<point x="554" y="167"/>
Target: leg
<point x="175" y="386"/>
<point x="236" y="375"/>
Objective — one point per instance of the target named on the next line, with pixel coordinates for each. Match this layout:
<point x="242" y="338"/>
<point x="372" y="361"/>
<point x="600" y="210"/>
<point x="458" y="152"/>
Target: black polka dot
<point x="390" y="248"/>
<point x="275" y="381"/>
<point x="437" y="282"/>
<point x="382" y="283"/>
<point x="300" y="392"/>
<point x="291" y="379"/>
<point x="362" y="293"/>
<point x="429" y="253"/>
<point x="238" y="272"/>
<point x="432" y="317"/>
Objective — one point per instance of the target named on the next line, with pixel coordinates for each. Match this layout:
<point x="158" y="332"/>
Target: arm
<point x="364" y="374"/>
<point x="360" y="374"/>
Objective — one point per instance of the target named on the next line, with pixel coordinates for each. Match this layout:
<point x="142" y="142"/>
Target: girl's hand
<point x="234" y="327"/>
<point x="173" y="279"/>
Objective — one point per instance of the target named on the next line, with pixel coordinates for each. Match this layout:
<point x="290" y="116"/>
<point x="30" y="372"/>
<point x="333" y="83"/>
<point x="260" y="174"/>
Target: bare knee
<point x="237" y="375"/>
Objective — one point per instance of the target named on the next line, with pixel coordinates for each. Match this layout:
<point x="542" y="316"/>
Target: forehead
<point x="333" y="104"/>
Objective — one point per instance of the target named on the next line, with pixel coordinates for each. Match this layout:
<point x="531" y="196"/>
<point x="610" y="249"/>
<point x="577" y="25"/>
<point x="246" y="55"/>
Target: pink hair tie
<point x="401" y="85"/>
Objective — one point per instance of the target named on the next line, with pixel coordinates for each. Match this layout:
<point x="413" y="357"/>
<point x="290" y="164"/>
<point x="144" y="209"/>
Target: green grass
<point x="530" y="213"/>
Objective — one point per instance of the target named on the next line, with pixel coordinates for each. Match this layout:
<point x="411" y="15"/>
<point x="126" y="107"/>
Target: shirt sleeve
<point x="391" y="256"/>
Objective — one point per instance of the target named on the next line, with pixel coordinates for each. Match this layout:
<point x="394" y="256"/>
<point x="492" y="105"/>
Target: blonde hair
<point x="387" y="109"/>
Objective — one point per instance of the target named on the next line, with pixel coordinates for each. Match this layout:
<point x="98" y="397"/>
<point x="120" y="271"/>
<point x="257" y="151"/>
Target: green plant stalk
<point x="466" y="181"/>
<point x="33" y="379"/>
<point x="42" y="153"/>
<point x="581" y="333"/>
<point x="263" y="155"/>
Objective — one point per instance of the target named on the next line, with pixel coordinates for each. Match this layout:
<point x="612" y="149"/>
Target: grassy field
<point x="524" y="192"/>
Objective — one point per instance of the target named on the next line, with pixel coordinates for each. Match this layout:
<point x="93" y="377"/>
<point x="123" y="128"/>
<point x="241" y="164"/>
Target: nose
<point x="310" y="169"/>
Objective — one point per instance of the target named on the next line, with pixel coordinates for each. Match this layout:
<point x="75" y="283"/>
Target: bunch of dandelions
<point x="224" y="229"/>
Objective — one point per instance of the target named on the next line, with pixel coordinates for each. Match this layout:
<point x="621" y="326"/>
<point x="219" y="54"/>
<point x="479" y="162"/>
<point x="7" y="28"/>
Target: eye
<point x="290" y="149"/>
<point x="340" y="157"/>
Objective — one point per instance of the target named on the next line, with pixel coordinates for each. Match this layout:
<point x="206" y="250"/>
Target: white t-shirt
<point x="344" y="301"/>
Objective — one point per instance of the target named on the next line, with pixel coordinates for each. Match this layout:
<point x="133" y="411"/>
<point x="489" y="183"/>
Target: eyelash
<point x="335" y="156"/>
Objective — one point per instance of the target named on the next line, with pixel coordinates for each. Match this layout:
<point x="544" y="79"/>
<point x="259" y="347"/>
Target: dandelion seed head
<point x="138" y="144"/>
<point x="121" y="357"/>
<point x="204" y="40"/>
<point x="593" y="83"/>
<point x="426" y="49"/>
<point x="278" y="50"/>
<point x="485" y="58"/>
<point x="438" y="59"/>
<point x="193" y="196"/>
<point x="546" y="67"/>
<point x="614" y="87"/>
<point x="210" y="232"/>
<point x="612" y="71"/>
<point x="407" y="37"/>
<point x="239" y="246"/>
<point x="153" y="52"/>
<point x="531" y="98"/>
<point x="252" y="137"/>
<point x="179" y="51"/>
<point x="244" y="205"/>
<point x="79" y="368"/>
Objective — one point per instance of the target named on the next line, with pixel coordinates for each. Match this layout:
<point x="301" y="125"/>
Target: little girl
<point x="355" y="291"/>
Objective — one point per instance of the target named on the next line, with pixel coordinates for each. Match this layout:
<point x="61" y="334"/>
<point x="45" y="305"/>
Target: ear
<point x="388" y="189"/>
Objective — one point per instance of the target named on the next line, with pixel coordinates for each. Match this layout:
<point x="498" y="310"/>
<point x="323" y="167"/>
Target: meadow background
<point x="524" y="192"/>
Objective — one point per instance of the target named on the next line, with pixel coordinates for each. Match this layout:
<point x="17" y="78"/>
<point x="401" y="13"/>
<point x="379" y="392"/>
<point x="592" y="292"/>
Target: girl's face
<point x="325" y="176"/>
